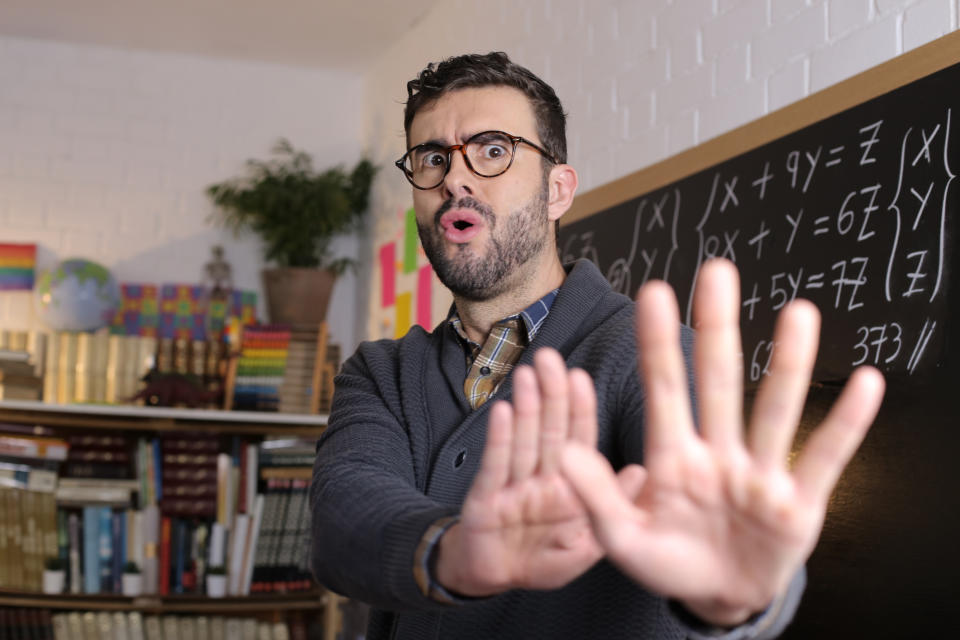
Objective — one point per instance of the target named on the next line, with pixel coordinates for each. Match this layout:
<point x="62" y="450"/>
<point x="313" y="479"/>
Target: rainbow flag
<point x="17" y="264"/>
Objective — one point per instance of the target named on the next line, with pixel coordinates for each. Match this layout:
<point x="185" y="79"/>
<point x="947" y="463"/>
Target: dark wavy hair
<point x="491" y="70"/>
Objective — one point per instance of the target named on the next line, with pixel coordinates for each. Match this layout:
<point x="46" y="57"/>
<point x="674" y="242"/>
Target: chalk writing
<point x="853" y="213"/>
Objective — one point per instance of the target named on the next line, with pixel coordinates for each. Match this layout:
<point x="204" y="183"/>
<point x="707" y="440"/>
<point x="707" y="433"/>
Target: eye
<point x="431" y="159"/>
<point x="493" y="151"/>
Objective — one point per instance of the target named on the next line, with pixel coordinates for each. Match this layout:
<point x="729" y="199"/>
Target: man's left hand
<point x="721" y="523"/>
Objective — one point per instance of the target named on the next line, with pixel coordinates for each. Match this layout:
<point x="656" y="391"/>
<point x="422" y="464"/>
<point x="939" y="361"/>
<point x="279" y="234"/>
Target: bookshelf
<point x="167" y="605"/>
<point x="149" y="422"/>
<point x="160" y="419"/>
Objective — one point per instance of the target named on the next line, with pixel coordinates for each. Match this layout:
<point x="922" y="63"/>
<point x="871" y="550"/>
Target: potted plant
<point x="131" y="580"/>
<point x="217" y="581"/>
<point x="54" y="571"/>
<point x="297" y="211"/>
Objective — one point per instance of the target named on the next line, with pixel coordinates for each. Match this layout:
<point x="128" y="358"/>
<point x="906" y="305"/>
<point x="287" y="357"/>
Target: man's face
<point x="479" y="233"/>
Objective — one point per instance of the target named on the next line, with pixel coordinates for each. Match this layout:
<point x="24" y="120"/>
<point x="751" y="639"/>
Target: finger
<point x="834" y="442"/>
<point x="718" y="354"/>
<point x="614" y="517"/>
<point x="554" y="407"/>
<point x="526" y="424"/>
<point x="583" y="408"/>
<point x="779" y="403"/>
<point x="631" y="480"/>
<point x="495" y="467"/>
<point x="668" y="417"/>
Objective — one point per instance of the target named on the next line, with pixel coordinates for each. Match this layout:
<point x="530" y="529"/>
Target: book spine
<point x="119" y="546"/>
<point x="75" y="574"/>
<point x="105" y="548"/>
<point x="164" y="578"/>
<point x="5" y="554"/>
<point x="151" y="537"/>
<point x="91" y="552"/>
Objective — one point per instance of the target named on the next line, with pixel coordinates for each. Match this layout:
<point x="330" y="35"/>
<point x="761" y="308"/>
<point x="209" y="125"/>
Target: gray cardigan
<point x="403" y="446"/>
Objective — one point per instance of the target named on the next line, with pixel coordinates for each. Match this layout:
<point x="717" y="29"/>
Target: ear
<point x="562" y="184"/>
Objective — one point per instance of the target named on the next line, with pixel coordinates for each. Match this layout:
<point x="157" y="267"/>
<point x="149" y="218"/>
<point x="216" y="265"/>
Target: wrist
<point x="453" y="568"/>
<point x="717" y="613"/>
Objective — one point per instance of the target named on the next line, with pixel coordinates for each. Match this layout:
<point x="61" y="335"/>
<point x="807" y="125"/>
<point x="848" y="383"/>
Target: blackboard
<point x="855" y="213"/>
<point x="849" y="199"/>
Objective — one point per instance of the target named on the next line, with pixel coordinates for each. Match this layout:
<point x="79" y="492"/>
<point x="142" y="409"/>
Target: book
<point x="92" y="494"/>
<point x="66" y="367"/>
<point x="118" y="557"/>
<point x="73" y="531"/>
<point x="238" y="541"/>
<point x="135" y="625"/>
<point x="164" y="571"/>
<point x="121" y="626"/>
<point x="150" y="569"/>
<point x="15" y="569"/>
<point x="180" y="552"/>
<point x="105" y="549"/>
<point x="249" y="552"/>
<point x="24" y="446"/>
<point x="5" y="550"/>
<point x="91" y="550"/>
<point x="31" y="553"/>
<point x="153" y="628"/>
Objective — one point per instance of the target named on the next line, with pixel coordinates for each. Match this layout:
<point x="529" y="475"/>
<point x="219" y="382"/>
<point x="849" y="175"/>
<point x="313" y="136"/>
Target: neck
<point x="478" y="317"/>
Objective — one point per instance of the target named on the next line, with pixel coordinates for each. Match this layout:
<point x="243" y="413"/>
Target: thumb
<point x="607" y="497"/>
<point x="631" y="480"/>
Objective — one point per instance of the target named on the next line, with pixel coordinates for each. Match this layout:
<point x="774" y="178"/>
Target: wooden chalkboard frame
<point x="873" y="82"/>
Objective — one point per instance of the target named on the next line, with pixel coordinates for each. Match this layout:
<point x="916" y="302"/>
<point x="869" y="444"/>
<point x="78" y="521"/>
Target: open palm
<point x="522" y="525"/>
<point x="719" y="521"/>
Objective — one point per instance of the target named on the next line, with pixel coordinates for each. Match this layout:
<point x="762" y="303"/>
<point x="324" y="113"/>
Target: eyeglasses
<point x="488" y="154"/>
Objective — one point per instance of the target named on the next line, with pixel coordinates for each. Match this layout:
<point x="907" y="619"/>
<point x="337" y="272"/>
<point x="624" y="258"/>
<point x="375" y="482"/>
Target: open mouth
<point x="461" y="225"/>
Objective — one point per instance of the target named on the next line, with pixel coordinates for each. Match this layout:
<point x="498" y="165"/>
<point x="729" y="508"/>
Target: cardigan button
<point x="459" y="460"/>
<point x="485" y="370"/>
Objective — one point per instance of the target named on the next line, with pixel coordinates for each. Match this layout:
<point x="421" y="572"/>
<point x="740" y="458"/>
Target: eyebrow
<point x="437" y="142"/>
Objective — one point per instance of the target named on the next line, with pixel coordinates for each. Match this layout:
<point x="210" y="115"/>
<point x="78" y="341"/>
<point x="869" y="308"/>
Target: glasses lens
<point x="490" y="153"/>
<point x="427" y="165"/>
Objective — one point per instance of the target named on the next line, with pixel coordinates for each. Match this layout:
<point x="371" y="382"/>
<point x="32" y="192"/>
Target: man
<point x="483" y="480"/>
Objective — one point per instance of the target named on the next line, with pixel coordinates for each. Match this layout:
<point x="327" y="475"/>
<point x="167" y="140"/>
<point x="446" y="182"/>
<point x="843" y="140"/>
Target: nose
<point x="459" y="179"/>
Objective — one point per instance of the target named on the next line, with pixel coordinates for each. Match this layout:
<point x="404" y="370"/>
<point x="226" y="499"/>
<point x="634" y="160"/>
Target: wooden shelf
<point x="160" y="419"/>
<point x="308" y="600"/>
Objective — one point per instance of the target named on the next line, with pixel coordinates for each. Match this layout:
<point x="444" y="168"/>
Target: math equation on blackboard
<point x="854" y="213"/>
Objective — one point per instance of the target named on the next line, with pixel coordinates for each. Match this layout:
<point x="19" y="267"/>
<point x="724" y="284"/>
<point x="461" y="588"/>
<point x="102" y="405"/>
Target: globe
<point x="77" y="295"/>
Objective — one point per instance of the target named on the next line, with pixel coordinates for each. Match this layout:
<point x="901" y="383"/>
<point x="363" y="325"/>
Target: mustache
<point x="465" y="203"/>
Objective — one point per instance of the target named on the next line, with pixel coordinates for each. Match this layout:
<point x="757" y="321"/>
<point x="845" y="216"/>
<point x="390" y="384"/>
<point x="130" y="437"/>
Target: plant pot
<point x="131" y="584"/>
<point x="53" y="581"/>
<point x="216" y="586"/>
<point x="297" y="295"/>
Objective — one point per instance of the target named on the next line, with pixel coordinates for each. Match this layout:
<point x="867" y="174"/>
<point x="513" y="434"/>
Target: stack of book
<point x="282" y="368"/>
<point x="260" y="369"/>
<point x="282" y="560"/>
<point x="95" y="367"/>
<point x="89" y="625"/>
<point x="28" y="526"/>
<point x="21" y="365"/>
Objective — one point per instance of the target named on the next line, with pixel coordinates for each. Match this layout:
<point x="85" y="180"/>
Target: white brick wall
<point x="682" y="70"/>
<point x="105" y="154"/>
<point x="129" y="140"/>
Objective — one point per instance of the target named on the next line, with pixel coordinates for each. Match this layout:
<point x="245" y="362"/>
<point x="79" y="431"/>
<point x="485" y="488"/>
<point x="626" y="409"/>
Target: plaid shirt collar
<point x="532" y="318"/>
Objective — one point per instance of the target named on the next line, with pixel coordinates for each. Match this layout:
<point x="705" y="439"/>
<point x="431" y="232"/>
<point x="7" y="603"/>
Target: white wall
<point x="644" y="79"/>
<point x="105" y="154"/>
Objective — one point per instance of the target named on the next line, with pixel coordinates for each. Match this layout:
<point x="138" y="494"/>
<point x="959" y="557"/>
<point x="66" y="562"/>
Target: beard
<point x="513" y="241"/>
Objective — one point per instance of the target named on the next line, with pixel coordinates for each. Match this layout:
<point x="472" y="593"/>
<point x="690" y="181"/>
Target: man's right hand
<point x="522" y="525"/>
